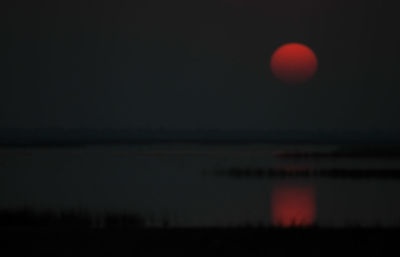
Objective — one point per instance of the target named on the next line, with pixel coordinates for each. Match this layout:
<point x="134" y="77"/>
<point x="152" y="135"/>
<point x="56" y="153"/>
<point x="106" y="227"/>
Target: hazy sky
<point x="197" y="64"/>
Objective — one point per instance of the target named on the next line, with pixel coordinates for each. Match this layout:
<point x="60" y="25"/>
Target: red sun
<point x="294" y="63"/>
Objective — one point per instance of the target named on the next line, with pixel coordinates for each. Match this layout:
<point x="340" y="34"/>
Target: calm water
<point x="176" y="182"/>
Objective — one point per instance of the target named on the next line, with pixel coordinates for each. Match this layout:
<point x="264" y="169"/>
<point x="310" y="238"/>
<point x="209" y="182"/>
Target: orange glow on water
<point x="293" y="206"/>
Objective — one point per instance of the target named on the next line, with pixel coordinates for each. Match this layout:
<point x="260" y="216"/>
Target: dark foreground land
<point x="68" y="233"/>
<point x="76" y="242"/>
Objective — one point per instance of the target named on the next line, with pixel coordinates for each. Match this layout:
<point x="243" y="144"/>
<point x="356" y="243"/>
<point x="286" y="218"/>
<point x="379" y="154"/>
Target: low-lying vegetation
<point x="283" y="172"/>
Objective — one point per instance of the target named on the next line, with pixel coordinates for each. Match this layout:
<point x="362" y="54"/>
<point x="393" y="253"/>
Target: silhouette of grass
<point x="67" y="219"/>
<point x="28" y="233"/>
<point x="201" y="242"/>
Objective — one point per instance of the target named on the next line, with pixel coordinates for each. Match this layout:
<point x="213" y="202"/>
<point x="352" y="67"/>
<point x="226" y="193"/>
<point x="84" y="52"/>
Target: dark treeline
<point x="307" y="172"/>
<point x="349" y="151"/>
<point x="61" y="137"/>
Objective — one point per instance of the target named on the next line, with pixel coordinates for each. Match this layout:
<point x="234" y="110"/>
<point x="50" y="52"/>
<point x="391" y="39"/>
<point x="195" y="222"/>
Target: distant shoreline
<point x="86" y="143"/>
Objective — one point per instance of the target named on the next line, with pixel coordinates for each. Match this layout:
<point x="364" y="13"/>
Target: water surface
<point x="176" y="182"/>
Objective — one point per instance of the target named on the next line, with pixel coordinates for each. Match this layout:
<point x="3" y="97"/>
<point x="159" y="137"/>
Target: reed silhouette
<point x="24" y="218"/>
<point x="28" y="233"/>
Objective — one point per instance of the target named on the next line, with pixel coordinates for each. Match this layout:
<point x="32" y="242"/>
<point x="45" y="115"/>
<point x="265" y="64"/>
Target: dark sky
<point x="195" y="64"/>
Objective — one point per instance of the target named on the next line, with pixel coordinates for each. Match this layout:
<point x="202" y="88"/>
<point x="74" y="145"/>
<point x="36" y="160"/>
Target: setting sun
<point x="294" y="63"/>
